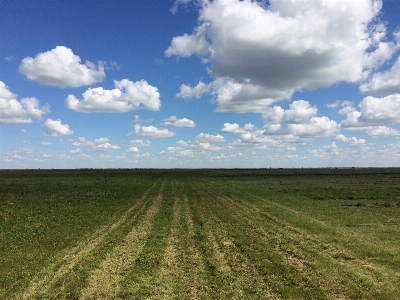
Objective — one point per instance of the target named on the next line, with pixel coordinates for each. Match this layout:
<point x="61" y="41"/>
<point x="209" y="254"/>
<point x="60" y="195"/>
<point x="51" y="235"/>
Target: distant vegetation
<point x="200" y="234"/>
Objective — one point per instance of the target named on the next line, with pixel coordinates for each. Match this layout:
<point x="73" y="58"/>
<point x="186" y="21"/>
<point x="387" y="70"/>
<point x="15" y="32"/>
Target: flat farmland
<point x="200" y="234"/>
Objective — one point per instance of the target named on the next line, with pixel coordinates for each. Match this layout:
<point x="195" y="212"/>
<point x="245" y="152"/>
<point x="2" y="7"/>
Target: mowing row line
<point x="338" y="278"/>
<point x="55" y="278"/>
<point x="235" y="275"/>
<point x="104" y="281"/>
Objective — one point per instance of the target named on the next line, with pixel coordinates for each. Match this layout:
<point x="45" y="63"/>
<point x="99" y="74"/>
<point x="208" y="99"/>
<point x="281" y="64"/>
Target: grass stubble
<point x="218" y="236"/>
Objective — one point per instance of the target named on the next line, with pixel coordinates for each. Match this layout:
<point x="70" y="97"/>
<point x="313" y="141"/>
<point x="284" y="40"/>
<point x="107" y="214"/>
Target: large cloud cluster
<point x="261" y="54"/>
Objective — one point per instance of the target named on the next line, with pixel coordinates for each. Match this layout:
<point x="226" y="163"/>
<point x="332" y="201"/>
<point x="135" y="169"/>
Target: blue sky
<point x="187" y="84"/>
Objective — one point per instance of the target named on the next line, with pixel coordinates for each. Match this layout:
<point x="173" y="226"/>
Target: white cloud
<point x="208" y="138"/>
<point x="382" y="131"/>
<point x="178" y="3"/>
<point x="46" y="143"/>
<point x="56" y="128"/>
<point x="300" y="111"/>
<point x="261" y="54"/>
<point x="178" y="123"/>
<point x="61" y="67"/>
<point x="152" y="132"/>
<point x="133" y="150"/>
<point x="144" y="155"/>
<point x="188" y="45"/>
<point x="384" y="83"/>
<point x="139" y="120"/>
<point x="186" y="91"/>
<point x="13" y="111"/>
<point x="316" y="127"/>
<point x="208" y="146"/>
<point x="352" y="142"/>
<point x="83" y="142"/>
<point x="234" y="128"/>
<point x="140" y="143"/>
<point x="126" y="96"/>
<point x="101" y="141"/>
<point x="105" y="147"/>
<point x="374" y="112"/>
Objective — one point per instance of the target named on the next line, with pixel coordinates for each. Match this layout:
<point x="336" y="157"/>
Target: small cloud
<point x="140" y="143"/>
<point x="133" y="150"/>
<point x="158" y="61"/>
<point x="208" y="138"/>
<point x="18" y="112"/>
<point x="178" y="123"/>
<point x="152" y="132"/>
<point x="126" y="96"/>
<point x="234" y="128"/>
<point x="101" y="141"/>
<point x="56" y="128"/>
<point x="113" y="66"/>
<point x="61" y="67"/>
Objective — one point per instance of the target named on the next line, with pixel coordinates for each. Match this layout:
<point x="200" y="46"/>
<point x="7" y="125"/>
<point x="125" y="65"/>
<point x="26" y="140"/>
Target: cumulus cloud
<point x="300" y="111"/>
<point x="208" y="138"/>
<point x="316" y="127"/>
<point x="299" y="121"/>
<point x="13" y="111"/>
<point x="374" y="112"/>
<point x="234" y="128"/>
<point x="352" y="142"/>
<point x="152" y="132"/>
<point x="56" y="128"/>
<point x="188" y="45"/>
<point x="126" y="96"/>
<point x="384" y="83"/>
<point x="187" y="92"/>
<point x="261" y="54"/>
<point x="140" y="143"/>
<point x="61" y="67"/>
<point x="178" y="123"/>
<point x="382" y="131"/>
<point x="133" y="150"/>
<point x="105" y="147"/>
<point x="82" y="142"/>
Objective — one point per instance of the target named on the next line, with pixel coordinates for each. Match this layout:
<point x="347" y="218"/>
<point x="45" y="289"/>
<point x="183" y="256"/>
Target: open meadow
<point x="200" y="234"/>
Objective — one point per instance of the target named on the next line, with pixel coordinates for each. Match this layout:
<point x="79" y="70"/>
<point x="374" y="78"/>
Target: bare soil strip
<point x="104" y="281"/>
<point x="63" y="265"/>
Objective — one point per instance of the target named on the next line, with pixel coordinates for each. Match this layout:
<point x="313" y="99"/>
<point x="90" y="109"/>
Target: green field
<point x="200" y="234"/>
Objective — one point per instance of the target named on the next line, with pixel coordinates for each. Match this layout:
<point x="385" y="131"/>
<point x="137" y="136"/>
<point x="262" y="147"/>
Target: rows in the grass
<point x="332" y="265"/>
<point x="56" y="277"/>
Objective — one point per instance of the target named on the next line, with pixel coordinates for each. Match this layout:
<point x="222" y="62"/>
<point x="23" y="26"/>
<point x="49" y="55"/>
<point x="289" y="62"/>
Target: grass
<point x="201" y="234"/>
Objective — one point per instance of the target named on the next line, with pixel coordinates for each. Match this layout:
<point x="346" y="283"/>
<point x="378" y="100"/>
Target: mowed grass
<point x="200" y="234"/>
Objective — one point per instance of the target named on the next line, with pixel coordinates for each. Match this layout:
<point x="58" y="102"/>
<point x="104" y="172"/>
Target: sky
<point x="199" y="84"/>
